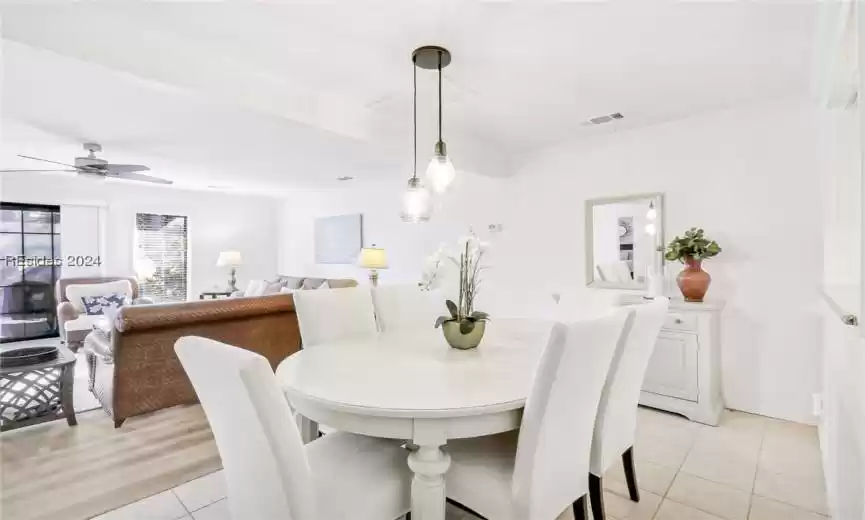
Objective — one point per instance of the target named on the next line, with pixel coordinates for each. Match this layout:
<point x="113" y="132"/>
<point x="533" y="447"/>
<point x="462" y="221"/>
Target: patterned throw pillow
<point x="95" y="305"/>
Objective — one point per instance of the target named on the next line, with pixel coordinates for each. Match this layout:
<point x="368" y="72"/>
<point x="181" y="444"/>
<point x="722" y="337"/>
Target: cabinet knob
<point x="678" y="321"/>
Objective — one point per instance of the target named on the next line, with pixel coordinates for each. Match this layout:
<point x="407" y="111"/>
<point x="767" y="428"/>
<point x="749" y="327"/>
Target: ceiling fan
<point x="95" y="167"/>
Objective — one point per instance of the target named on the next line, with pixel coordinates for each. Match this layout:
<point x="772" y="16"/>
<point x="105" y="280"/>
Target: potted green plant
<point x="464" y="326"/>
<point x="691" y="250"/>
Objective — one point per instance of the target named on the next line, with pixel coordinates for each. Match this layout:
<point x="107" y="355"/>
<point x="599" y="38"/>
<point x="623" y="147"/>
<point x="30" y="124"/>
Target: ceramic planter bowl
<point x="458" y="340"/>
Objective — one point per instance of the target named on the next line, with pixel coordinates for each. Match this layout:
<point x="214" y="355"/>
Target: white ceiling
<point x="276" y="95"/>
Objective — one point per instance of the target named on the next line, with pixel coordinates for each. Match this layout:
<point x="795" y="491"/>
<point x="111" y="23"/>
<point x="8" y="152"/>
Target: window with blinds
<point x="161" y="256"/>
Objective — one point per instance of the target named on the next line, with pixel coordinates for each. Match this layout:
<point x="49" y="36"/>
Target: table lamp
<point x="372" y="258"/>
<point x="230" y="259"/>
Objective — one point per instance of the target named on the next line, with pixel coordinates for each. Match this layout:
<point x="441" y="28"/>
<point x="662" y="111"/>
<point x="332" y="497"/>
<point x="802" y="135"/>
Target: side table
<point x="213" y="294"/>
<point x="37" y="393"/>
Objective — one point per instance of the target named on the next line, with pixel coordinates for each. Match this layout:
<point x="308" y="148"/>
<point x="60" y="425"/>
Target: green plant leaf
<point x="480" y="315"/>
<point x="693" y="244"/>
<point x="452" y="308"/>
<point x="442" y="320"/>
<point x="467" y="326"/>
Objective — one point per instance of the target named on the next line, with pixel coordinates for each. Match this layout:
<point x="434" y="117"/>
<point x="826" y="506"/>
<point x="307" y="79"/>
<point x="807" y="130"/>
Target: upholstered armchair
<point x="73" y="323"/>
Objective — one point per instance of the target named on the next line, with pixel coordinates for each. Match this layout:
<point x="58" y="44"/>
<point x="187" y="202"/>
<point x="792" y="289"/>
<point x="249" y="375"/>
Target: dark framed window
<point x="161" y="256"/>
<point x="29" y="267"/>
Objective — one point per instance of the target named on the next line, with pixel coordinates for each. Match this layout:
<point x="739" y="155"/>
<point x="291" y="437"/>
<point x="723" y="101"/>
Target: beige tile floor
<point x="748" y="468"/>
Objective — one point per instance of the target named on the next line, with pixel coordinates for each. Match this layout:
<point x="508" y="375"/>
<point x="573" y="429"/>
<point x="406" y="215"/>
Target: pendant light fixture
<point x="416" y="199"/>
<point x="440" y="173"/>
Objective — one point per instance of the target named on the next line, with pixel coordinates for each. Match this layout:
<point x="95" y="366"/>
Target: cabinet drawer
<point x="681" y="321"/>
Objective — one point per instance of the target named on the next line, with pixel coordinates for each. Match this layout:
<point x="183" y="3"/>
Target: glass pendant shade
<point x="440" y="173"/>
<point x="650" y="229"/>
<point x="416" y="205"/>
<point x="652" y="214"/>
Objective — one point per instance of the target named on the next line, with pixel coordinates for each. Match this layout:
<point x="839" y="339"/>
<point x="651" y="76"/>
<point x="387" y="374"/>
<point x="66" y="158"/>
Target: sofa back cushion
<point x="290" y="282"/>
<point x="76" y="292"/>
<point x="312" y="283"/>
<point x="255" y="288"/>
<point x="341" y="283"/>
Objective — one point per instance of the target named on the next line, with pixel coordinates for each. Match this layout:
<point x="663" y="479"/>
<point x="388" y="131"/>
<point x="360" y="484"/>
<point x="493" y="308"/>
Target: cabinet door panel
<point x="672" y="369"/>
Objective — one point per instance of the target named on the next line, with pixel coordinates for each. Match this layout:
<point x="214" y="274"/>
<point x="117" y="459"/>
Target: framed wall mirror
<point x="623" y="235"/>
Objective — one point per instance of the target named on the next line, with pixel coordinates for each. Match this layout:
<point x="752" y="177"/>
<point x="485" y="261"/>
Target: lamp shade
<point x="229" y="258"/>
<point x="372" y="258"/>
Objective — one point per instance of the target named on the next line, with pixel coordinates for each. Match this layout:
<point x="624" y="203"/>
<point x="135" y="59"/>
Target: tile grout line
<point x="756" y="472"/>
<point x="676" y="475"/>
<point x="679" y="471"/>
<point x="176" y="496"/>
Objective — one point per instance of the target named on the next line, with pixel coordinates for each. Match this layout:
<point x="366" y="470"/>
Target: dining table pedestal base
<point x="429" y="464"/>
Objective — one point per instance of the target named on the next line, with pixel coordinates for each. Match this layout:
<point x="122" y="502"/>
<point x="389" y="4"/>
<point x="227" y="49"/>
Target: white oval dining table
<point x="416" y="388"/>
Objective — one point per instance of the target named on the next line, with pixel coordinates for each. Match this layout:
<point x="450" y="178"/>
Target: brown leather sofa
<point x="133" y="367"/>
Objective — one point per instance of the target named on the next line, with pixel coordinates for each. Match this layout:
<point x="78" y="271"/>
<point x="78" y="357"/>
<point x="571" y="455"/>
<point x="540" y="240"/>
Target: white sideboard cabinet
<point x="684" y="373"/>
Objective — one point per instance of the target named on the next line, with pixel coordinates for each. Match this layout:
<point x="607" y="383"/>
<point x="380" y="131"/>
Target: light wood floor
<point x="52" y="471"/>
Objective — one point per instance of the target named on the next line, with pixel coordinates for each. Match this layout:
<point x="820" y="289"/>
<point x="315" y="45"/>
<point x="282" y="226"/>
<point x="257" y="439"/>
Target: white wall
<point x="473" y="203"/>
<point x="841" y="170"/>
<point x="217" y="222"/>
<point x="749" y="177"/>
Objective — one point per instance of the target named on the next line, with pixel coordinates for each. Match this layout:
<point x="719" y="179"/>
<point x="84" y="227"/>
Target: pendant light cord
<point x="440" y="95"/>
<point x="414" y="115"/>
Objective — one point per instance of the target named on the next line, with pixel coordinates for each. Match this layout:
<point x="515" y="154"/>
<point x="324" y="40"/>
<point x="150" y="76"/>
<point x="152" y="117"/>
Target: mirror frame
<point x="590" y="234"/>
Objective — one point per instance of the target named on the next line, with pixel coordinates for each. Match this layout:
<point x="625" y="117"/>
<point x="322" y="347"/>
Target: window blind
<point x="162" y="242"/>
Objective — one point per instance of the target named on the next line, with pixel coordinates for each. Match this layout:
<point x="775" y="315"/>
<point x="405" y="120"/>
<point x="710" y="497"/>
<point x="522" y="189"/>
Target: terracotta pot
<point x="693" y="281"/>
<point x="458" y="340"/>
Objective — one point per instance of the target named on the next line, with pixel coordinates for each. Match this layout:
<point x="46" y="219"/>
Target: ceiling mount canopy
<point x="427" y="57"/>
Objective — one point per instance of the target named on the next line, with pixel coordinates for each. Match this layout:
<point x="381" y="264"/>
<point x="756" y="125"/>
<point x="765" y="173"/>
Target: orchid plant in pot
<point x="464" y="326"/>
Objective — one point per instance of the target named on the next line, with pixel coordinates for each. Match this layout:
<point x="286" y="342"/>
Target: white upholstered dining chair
<point x="539" y="472"/>
<point x="269" y="472"/>
<point x="326" y="315"/>
<point x="406" y="308"/>
<point x="617" y="413"/>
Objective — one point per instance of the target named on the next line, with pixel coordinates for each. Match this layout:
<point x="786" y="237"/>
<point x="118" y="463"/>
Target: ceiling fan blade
<point x="141" y="178"/>
<point x="34" y="171"/>
<point x="124" y="168"/>
<point x="53" y="162"/>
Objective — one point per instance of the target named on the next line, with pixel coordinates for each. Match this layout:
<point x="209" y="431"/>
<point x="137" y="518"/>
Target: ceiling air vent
<point x="605" y="119"/>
